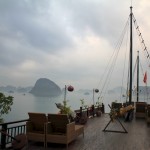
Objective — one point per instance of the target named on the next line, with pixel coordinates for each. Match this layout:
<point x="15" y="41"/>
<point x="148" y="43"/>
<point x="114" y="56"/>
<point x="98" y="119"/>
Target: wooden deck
<point x="137" y="138"/>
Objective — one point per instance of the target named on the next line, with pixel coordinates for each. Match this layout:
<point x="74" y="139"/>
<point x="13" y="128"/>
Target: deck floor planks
<point x="137" y="138"/>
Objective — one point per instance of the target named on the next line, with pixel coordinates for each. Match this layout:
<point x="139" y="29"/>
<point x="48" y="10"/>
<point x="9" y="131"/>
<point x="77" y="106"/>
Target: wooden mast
<point x="138" y="76"/>
<point x="131" y="53"/>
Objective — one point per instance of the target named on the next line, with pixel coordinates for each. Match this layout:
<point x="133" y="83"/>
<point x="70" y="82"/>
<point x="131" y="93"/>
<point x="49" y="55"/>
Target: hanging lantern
<point x="96" y="90"/>
<point x="70" y="88"/>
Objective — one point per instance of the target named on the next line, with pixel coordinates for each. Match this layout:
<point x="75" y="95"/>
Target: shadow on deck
<point x="137" y="137"/>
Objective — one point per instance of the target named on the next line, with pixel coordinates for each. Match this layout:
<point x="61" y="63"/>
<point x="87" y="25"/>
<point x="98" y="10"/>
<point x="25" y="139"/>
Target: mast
<point x="138" y="76"/>
<point x="131" y="51"/>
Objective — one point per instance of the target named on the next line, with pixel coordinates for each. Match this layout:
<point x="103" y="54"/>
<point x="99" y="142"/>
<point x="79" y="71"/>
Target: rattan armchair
<point x="140" y="109"/>
<point x="148" y="114"/>
<point x="61" y="130"/>
<point x="36" y="127"/>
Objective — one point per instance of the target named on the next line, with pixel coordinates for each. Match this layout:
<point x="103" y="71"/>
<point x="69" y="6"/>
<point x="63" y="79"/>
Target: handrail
<point x="13" y="122"/>
<point x="14" y="130"/>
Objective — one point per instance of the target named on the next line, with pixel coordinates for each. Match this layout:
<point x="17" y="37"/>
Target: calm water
<point x="29" y="103"/>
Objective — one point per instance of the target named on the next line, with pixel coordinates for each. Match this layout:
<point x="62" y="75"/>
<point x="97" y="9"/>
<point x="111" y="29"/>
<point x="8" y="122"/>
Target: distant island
<point x="12" y="89"/>
<point x="142" y="90"/>
<point x="45" y="88"/>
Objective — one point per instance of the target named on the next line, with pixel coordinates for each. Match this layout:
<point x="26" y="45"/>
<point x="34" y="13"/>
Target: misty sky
<point x="67" y="41"/>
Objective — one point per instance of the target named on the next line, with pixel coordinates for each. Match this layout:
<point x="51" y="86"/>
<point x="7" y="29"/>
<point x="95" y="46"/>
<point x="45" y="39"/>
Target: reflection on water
<point x="24" y="103"/>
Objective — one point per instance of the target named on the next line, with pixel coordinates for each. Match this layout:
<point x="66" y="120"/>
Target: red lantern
<point x="96" y="90"/>
<point x="70" y="88"/>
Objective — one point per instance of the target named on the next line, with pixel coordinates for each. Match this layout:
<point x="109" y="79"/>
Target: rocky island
<point x="45" y="88"/>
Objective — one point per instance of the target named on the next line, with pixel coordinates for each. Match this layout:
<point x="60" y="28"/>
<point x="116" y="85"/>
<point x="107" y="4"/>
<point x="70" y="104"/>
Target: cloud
<point x="65" y="41"/>
<point x="37" y="26"/>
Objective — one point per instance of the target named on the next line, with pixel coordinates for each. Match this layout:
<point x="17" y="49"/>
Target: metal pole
<point x="65" y="93"/>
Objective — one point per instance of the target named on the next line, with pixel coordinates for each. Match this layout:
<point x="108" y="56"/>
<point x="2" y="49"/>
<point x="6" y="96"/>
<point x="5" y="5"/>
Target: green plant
<point x="83" y="103"/>
<point x="99" y="102"/>
<point x="64" y="109"/>
<point x="5" y="105"/>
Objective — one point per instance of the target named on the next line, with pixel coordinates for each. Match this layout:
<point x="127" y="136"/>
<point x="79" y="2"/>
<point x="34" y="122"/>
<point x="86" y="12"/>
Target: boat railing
<point x="9" y="130"/>
<point x="90" y="111"/>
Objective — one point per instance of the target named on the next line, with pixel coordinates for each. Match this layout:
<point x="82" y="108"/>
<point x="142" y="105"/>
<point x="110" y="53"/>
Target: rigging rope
<point x="127" y="91"/>
<point x="113" y="62"/>
<point x="142" y="72"/>
<point x="134" y="69"/>
<point x="121" y="94"/>
<point x="145" y="84"/>
<point x="143" y="46"/>
<point x="141" y="40"/>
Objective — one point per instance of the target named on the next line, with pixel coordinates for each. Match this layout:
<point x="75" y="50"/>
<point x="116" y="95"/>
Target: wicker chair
<point x="60" y="130"/>
<point x="36" y="127"/>
<point x="148" y="114"/>
<point x="140" y="109"/>
<point x="116" y="105"/>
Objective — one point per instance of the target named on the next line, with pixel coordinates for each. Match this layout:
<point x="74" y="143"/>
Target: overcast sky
<point x="67" y="41"/>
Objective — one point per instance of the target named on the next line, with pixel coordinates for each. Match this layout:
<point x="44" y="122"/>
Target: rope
<point x="145" y="84"/>
<point x="112" y="62"/>
<point x="127" y="91"/>
<point x="121" y="94"/>
<point x="106" y="76"/>
<point x="134" y="71"/>
<point x="141" y="40"/>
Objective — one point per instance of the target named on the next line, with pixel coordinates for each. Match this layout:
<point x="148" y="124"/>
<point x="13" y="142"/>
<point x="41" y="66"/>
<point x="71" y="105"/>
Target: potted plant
<point x="98" y="108"/>
<point x="83" y="112"/>
<point x="64" y="109"/>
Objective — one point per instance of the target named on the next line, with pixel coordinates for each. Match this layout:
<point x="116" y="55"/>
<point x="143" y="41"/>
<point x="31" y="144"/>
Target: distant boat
<point x="86" y="93"/>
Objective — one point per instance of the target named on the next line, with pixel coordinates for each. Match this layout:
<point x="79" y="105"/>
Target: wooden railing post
<point x="93" y="110"/>
<point x="87" y="112"/>
<point x="103" y="108"/>
<point x="81" y="111"/>
<point x="3" y="136"/>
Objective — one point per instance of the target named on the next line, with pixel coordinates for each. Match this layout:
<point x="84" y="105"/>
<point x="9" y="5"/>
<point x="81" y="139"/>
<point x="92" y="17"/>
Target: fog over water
<point x="29" y="103"/>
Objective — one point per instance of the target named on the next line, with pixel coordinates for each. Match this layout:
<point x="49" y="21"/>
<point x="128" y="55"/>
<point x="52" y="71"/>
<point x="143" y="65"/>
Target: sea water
<point x="26" y="102"/>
